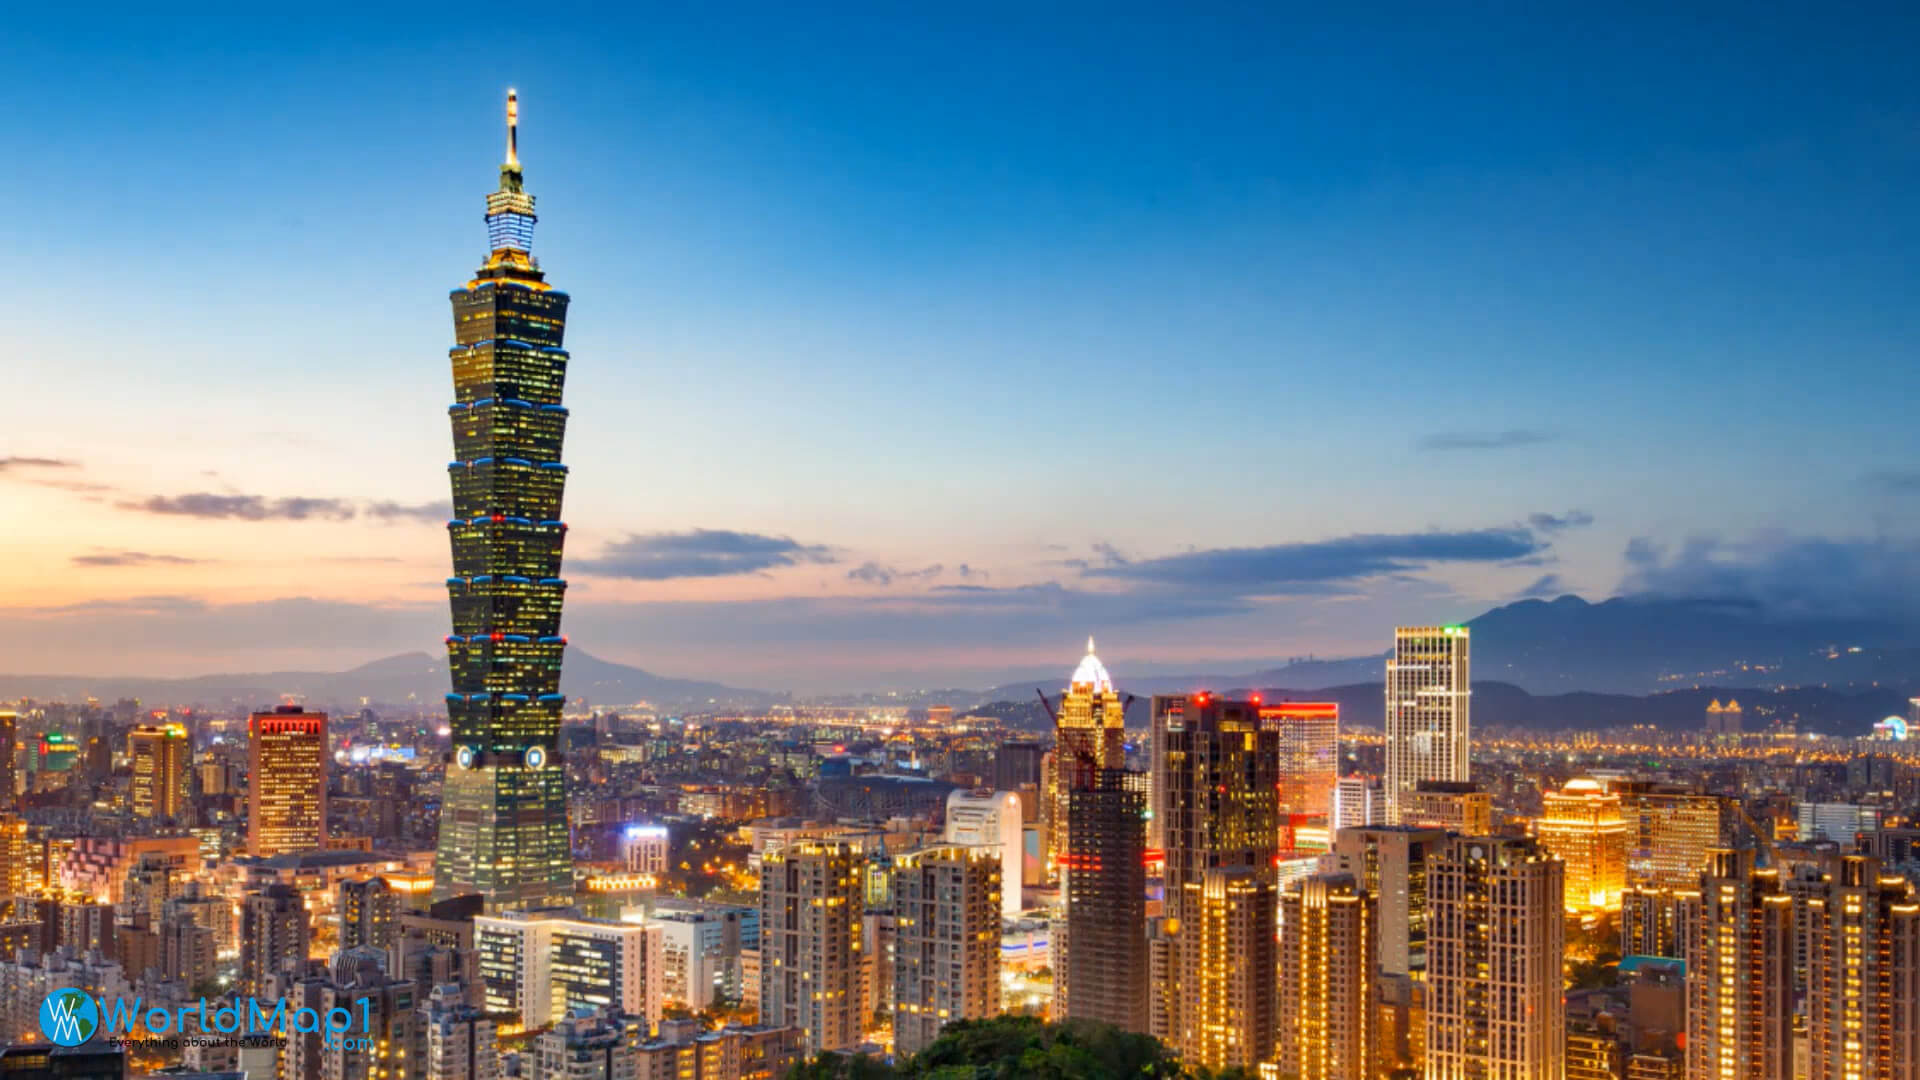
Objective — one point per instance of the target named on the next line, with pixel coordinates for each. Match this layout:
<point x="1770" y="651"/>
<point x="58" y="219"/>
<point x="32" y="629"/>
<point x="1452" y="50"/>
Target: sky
<point x="910" y="347"/>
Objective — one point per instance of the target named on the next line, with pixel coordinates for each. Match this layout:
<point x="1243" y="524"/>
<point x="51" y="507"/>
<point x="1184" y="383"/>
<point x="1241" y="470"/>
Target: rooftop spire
<point x="1089" y="644"/>
<point x="513" y="130"/>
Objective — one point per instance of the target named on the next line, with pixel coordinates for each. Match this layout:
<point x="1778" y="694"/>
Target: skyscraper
<point x="1581" y="824"/>
<point x="1100" y="950"/>
<point x="1740" y="974"/>
<point x="1455" y="806"/>
<point x="503" y="817"/>
<point x="13" y="857"/>
<point x="1428" y="692"/>
<point x="1863" y="985"/>
<point x="991" y="820"/>
<point x="1670" y="833"/>
<point x="1328" y="937"/>
<point x="274" y="935"/>
<point x="1090" y="729"/>
<point x="161" y="754"/>
<point x="1496" y="943"/>
<point x="9" y="749"/>
<point x="1226" y="970"/>
<point x="811" y="968"/>
<point x="1309" y="754"/>
<point x="1392" y="864"/>
<point x="286" y="781"/>
<point x="946" y="958"/>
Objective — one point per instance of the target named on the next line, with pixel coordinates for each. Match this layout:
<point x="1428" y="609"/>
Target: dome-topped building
<point x="1089" y="735"/>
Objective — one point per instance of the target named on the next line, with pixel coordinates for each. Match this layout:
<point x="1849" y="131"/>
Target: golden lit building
<point x="1724" y="719"/>
<point x="13" y="858"/>
<point x="1670" y="831"/>
<point x="1658" y="922"/>
<point x="946" y="948"/>
<point x="287" y="781"/>
<point x="1863" y="975"/>
<point x="1326" y="1015"/>
<point x="162" y="754"/>
<point x="1581" y="824"/>
<point x="1496" y="943"/>
<point x="1089" y="731"/>
<point x="1309" y="754"/>
<point x="1593" y="1054"/>
<point x="1428" y="694"/>
<point x="1456" y="806"/>
<point x="1227" y="955"/>
<point x="1740" y="974"/>
<point x="812" y="961"/>
<point x="9" y="746"/>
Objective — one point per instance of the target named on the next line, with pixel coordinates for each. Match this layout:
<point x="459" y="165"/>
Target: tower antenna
<point x="513" y="130"/>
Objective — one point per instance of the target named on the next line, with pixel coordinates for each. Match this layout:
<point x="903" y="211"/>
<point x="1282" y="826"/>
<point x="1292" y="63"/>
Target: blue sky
<point x="1225" y="335"/>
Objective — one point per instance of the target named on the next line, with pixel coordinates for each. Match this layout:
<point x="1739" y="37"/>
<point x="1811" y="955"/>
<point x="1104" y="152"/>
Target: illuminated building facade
<point x="1671" y="833"/>
<point x="1090" y="729"/>
<point x="9" y="745"/>
<point x="161" y="756"/>
<point x="1309" y="754"/>
<point x="1724" y="719"/>
<point x="990" y="820"/>
<point x="1863" y="985"/>
<point x="1740" y="974"/>
<point x="1100" y="964"/>
<point x="275" y="932"/>
<point x="1226" y="972"/>
<point x="287" y="781"/>
<point x="503" y="818"/>
<point x="1326" y="1016"/>
<point x="946" y="948"/>
<point x="538" y="964"/>
<point x="1582" y="825"/>
<point x="13" y="857"/>
<point x="1391" y="863"/>
<point x="1357" y="802"/>
<point x="812" y="964"/>
<point x="1496" y="943"/>
<point x="1427" y="711"/>
<point x="1658" y="922"/>
<point x="1454" y="806"/>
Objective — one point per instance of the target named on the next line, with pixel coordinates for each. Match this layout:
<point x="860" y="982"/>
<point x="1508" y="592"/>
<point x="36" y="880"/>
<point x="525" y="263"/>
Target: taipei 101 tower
<point x="503" y="812"/>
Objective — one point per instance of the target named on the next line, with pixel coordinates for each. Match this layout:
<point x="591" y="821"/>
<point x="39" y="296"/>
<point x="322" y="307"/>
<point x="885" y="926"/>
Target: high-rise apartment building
<point x="1309" y="754"/>
<point x="162" y="755"/>
<point x="503" y="815"/>
<point x="1724" y="719"/>
<point x="1099" y="949"/>
<point x="946" y="966"/>
<point x="1740" y="974"/>
<point x="812" y="966"/>
<point x="460" y="1039"/>
<point x="538" y="964"/>
<point x="1328" y="937"/>
<point x="991" y="820"/>
<point x="1452" y="805"/>
<point x="1496" y="943"/>
<point x="1090" y="729"/>
<point x="369" y="913"/>
<point x="9" y="750"/>
<point x="1217" y="768"/>
<point x="1391" y="863"/>
<point x="387" y="1039"/>
<point x="1428" y="694"/>
<point x="586" y="1044"/>
<point x="1658" y="922"/>
<point x="1357" y="802"/>
<point x="275" y="933"/>
<point x="1582" y="825"/>
<point x="13" y="857"/>
<point x="286" y="781"/>
<point x="1863" y="982"/>
<point x="1671" y="831"/>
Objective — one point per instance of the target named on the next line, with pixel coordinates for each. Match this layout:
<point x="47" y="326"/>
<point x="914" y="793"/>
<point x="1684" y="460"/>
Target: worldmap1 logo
<point x="69" y="1017"/>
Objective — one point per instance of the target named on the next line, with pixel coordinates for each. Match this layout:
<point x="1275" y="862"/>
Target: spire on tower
<point x="513" y="130"/>
<point x="1089" y="644"/>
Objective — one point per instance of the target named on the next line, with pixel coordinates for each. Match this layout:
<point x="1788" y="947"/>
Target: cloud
<point x="873" y="573"/>
<point x="232" y="507"/>
<point x="1546" y="587"/>
<point x="1552" y="523"/>
<point x="1484" y="440"/>
<point x="1322" y="566"/>
<point x="699" y="553"/>
<point x="1893" y="481"/>
<point x="7" y="463"/>
<point x="1806" y="576"/>
<point x="132" y="558"/>
<point x="435" y="512"/>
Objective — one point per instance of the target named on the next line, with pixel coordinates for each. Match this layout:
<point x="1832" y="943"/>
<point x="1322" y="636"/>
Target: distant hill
<point x="396" y="680"/>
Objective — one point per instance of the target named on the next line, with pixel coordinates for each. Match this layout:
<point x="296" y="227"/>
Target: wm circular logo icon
<point x="69" y="1017"/>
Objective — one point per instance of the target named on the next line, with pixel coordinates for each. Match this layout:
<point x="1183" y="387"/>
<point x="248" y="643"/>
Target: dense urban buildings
<point x="286" y="781"/>
<point x="1428" y="711"/>
<point x="503" y="822"/>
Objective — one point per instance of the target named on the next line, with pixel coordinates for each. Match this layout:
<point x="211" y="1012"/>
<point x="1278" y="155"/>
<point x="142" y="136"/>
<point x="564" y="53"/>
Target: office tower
<point x="1221" y="770"/>
<point x="392" y="1045"/>
<point x="1842" y="823"/>
<point x="991" y="820"/>
<point x="1428" y="694"/>
<point x="9" y="749"/>
<point x="1099" y="951"/>
<point x="1227" y="957"/>
<point x="644" y="849"/>
<point x="811" y="961"/>
<point x="1451" y="805"/>
<point x="1582" y="826"/>
<point x="286" y="781"/>
<point x="538" y="963"/>
<point x="461" y="1039"/>
<point x="946" y="968"/>
<point x="1089" y="729"/>
<point x="1863" y="985"/>
<point x="275" y="934"/>
<point x="1496" y="939"/>
<point x="1357" y="802"/>
<point x="1740" y="974"/>
<point x="1724" y="719"/>
<point x="1670" y="832"/>
<point x="369" y="913"/>
<point x="1309" y="754"/>
<point x="13" y="858"/>
<point x="589" y="1044"/>
<point x="161" y="755"/>
<point x="700" y="953"/>
<point x="1391" y="863"/>
<point x="1658" y="922"/>
<point x="1016" y="768"/>
<point x="1328" y="937"/>
<point x="503" y="814"/>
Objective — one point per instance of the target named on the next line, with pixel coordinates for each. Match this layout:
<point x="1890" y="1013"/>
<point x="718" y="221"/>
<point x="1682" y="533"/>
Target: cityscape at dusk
<point x="801" y="544"/>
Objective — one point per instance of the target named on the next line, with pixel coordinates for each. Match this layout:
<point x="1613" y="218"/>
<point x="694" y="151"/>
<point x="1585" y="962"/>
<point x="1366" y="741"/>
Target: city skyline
<point x="811" y="294"/>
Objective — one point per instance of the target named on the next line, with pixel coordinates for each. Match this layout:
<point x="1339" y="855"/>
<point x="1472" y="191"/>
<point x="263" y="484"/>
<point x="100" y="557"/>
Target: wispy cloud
<point x="1484" y="440"/>
<point x="1784" y="574"/>
<point x="1546" y="587"/>
<point x="699" y="553"/>
<point x="1893" y="481"/>
<point x="238" y="507"/>
<point x="9" y="463"/>
<point x="132" y="558"/>
<point x="873" y="573"/>
<point x="1296" y="568"/>
<point x="1553" y="523"/>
